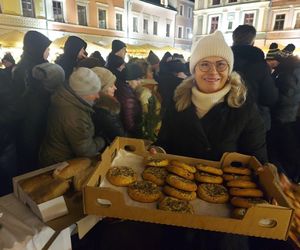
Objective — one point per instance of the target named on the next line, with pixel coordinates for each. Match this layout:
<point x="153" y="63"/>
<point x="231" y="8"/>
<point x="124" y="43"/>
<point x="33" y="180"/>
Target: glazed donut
<point x="179" y="194"/>
<point x="181" y="172"/>
<point x="181" y="183"/>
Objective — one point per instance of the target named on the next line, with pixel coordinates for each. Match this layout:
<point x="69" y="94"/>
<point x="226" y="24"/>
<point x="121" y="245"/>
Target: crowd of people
<point x="224" y="99"/>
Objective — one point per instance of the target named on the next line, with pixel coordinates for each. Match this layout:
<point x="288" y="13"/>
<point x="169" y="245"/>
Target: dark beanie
<point x="117" y="45"/>
<point x="288" y="50"/>
<point x="176" y="66"/>
<point x="244" y="35"/>
<point x="133" y="71"/>
<point x="152" y="58"/>
<point x="73" y="45"/>
<point x="273" y="52"/>
<point x="35" y="44"/>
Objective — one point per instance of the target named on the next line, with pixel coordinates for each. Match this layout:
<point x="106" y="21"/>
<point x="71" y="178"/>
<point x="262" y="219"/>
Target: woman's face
<point x="134" y="83"/>
<point x="81" y="54"/>
<point x="111" y="90"/>
<point x="46" y="53"/>
<point x="211" y="74"/>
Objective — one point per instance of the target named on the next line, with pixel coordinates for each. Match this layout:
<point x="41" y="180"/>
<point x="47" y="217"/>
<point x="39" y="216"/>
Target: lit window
<point x="28" y="8"/>
<point x="279" y="22"/>
<point x="215" y="2"/>
<point x="135" y="24"/>
<point x="181" y="10"/>
<point x="82" y="19"/>
<point x="297" y="24"/>
<point x="249" y="18"/>
<point x="145" y="26"/>
<point x="119" y="23"/>
<point x="57" y="11"/>
<point x="168" y="30"/>
<point x="214" y="24"/>
<point x="154" y="28"/>
<point x="102" y="18"/>
<point x="179" y="35"/>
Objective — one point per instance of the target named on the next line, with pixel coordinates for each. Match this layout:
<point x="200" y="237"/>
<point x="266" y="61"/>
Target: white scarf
<point x="205" y="102"/>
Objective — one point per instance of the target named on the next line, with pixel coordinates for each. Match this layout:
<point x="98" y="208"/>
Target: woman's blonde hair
<point x="235" y="98"/>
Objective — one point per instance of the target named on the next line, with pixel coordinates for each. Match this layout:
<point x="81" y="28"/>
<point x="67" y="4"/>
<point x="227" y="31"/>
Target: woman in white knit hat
<point x="211" y="115"/>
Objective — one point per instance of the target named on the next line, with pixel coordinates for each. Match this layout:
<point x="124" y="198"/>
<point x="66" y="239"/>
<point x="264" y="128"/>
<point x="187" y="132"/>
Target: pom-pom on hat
<point x="211" y="45"/>
<point x="152" y="58"/>
<point x="84" y="81"/>
<point x="273" y="52"/>
<point x="117" y="45"/>
<point x="107" y="78"/>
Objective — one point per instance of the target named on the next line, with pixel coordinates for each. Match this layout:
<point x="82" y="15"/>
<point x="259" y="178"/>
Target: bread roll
<point x="33" y="183"/>
<point x="80" y="180"/>
<point x="49" y="191"/>
<point x="74" y="167"/>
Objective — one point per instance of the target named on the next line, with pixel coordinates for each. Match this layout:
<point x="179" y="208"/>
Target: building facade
<point x="275" y="20"/>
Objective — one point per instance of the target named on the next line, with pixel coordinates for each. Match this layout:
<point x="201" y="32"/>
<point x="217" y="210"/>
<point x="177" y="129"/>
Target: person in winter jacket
<point x="249" y="62"/>
<point x="74" y="51"/>
<point x="70" y="129"/>
<point x="107" y="108"/>
<point x="9" y="63"/>
<point x="116" y="65"/>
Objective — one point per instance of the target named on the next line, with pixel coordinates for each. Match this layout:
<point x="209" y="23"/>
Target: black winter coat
<point x="107" y="119"/>
<point x="222" y="129"/>
<point x="249" y="62"/>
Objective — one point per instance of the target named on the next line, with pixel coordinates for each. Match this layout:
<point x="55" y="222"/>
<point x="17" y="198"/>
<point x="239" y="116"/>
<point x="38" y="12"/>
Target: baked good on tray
<point x="144" y="191"/>
<point x="155" y="175"/>
<point x="214" y="193"/>
<point x="172" y="204"/>
<point x="121" y="176"/>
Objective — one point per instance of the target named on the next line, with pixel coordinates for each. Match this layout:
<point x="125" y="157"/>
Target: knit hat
<point x="52" y="75"/>
<point x="152" y="58"/>
<point x="106" y="77"/>
<point x="84" y="81"/>
<point x="73" y="45"/>
<point x="211" y="45"/>
<point x="8" y="57"/>
<point x="287" y="50"/>
<point x="133" y="71"/>
<point x="117" y="45"/>
<point x="273" y="52"/>
<point x="176" y="66"/>
<point x="35" y="44"/>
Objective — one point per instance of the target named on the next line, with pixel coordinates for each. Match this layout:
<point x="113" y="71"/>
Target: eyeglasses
<point x="206" y="66"/>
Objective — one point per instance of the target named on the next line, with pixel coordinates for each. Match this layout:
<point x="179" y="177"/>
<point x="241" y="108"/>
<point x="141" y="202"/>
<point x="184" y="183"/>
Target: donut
<point x="241" y="184"/>
<point x="184" y="165"/>
<point x="239" y="213"/>
<point x="230" y="177"/>
<point x="214" y="193"/>
<point x="175" y="205"/>
<point x="121" y="176"/>
<point x="158" y="163"/>
<point x="181" y="172"/>
<point x="246" y="202"/>
<point x="237" y="170"/>
<point x="208" y="178"/>
<point x="246" y="192"/>
<point x="181" y="183"/>
<point x="155" y="175"/>
<point x="179" y="194"/>
<point x="209" y="169"/>
<point x="144" y="191"/>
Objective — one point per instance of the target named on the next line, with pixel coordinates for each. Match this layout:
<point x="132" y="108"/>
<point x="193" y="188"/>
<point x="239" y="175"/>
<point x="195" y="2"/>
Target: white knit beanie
<point x="107" y="78"/>
<point x="84" y="81"/>
<point x="211" y="45"/>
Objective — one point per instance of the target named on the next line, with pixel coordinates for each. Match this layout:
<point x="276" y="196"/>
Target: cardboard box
<point x="266" y="221"/>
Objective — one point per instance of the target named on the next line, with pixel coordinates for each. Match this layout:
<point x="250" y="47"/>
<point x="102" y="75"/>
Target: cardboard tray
<point x="267" y="221"/>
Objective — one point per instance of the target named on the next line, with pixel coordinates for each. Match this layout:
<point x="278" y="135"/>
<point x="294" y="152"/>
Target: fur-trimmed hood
<point x="108" y="103"/>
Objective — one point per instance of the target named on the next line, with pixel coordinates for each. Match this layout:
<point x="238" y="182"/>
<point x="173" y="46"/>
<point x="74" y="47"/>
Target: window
<point x="145" y="26"/>
<point x="279" y="22"/>
<point x="249" y="18"/>
<point x="135" y="24"/>
<point x="297" y="23"/>
<point x="229" y="25"/>
<point x="230" y="18"/>
<point x="181" y="10"/>
<point x="190" y="12"/>
<point x="82" y="19"/>
<point x="215" y="2"/>
<point x="168" y="30"/>
<point x="102" y="18"/>
<point x="119" y="23"/>
<point x="57" y="11"/>
<point x="179" y="34"/>
<point x="232" y="1"/>
<point x="28" y="8"/>
<point x="214" y="24"/>
<point x="188" y="33"/>
<point x="155" y="28"/>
